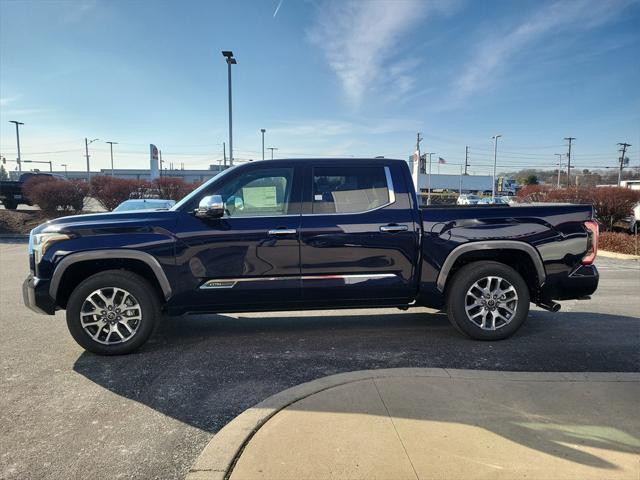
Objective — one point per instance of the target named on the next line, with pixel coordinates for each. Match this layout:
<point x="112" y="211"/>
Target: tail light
<point x="592" y="242"/>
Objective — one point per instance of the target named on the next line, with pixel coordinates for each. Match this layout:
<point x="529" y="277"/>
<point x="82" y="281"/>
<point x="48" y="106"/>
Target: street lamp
<point x="272" y="149"/>
<point x="230" y="61"/>
<point x="262" y="130"/>
<point x="495" y="158"/>
<point x="18" y="141"/>
<point x="65" y="169"/>
<point x="86" y="153"/>
<point x="111" y="144"/>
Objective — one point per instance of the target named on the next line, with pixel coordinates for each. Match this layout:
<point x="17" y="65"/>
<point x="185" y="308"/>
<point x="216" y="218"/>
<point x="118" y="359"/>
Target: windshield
<point x="201" y="188"/>
<point x="142" y="205"/>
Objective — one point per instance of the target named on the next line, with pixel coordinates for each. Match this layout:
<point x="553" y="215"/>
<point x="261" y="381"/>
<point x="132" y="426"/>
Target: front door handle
<point x="282" y="231"/>
<point x="394" y="228"/>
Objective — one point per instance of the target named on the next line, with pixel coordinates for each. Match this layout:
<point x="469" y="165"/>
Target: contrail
<point x="277" y="8"/>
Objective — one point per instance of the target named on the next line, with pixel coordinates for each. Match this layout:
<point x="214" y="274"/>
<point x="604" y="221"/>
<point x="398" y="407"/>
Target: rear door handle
<point x="282" y="231"/>
<point x="394" y="228"/>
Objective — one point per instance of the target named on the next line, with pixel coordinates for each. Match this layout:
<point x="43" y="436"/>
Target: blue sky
<point x="326" y="78"/>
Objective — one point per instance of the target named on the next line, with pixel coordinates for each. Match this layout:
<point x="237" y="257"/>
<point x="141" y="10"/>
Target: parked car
<point x="144" y="204"/>
<point x="11" y="192"/>
<point x="632" y="222"/>
<point x="308" y="234"/>
<point x="468" y="199"/>
<point x="493" y="201"/>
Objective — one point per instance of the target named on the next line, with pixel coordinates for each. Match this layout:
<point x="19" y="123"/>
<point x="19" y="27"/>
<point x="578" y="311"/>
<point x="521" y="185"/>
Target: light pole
<point x="230" y="61"/>
<point x="559" y="155"/>
<point x="262" y="130"/>
<point x="86" y="153"/>
<point x="272" y="149"/>
<point x="18" y="141"/>
<point x="65" y="169"/>
<point x="111" y="144"/>
<point x="495" y="161"/>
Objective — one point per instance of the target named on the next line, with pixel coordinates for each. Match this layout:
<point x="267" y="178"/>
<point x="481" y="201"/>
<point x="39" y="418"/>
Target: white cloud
<point x="362" y="39"/>
<point x="493" y="54"/>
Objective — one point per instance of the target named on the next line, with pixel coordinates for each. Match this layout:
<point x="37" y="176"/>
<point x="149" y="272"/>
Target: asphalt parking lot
<point x="68" y="414"/>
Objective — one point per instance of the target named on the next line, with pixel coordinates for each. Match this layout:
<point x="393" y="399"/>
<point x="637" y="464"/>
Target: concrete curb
<point x="620" y="256"/>
<point x="218" y="458"/>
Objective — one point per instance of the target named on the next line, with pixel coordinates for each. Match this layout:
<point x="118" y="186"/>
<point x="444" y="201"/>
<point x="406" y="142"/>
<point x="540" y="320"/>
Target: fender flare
<point x="490" y="245"/>
<point x="111" y="254"/>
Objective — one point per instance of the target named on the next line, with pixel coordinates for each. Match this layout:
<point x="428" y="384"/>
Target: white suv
<point x="468" y="199"/>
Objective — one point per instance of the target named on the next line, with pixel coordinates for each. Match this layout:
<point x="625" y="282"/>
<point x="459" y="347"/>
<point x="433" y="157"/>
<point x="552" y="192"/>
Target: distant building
<point x="188" y="176"/>
<point x="455" y="183"/>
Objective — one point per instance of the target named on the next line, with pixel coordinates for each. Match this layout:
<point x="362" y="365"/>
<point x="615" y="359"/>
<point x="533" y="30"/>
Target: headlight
<point x="40" y="242"/>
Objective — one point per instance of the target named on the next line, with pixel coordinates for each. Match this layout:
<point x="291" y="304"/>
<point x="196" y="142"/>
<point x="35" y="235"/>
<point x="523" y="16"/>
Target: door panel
<point x="251" y="256"/>
<point x="357" y="256"/>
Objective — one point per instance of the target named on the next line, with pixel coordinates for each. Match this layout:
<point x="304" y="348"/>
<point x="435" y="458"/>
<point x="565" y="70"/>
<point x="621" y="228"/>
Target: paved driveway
<point x="68" y="414"/>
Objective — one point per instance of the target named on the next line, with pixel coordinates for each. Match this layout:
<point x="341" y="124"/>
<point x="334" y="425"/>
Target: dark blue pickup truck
<point x="308" y="234"/>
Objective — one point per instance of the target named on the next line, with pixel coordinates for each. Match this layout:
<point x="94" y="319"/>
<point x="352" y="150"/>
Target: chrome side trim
<point x="392" y="193"/>
<point x="352" y="278"/>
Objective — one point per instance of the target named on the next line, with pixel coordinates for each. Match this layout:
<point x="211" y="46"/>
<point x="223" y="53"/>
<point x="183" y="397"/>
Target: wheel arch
<point x="521" y="256"/>
<point x="76" y="267"/>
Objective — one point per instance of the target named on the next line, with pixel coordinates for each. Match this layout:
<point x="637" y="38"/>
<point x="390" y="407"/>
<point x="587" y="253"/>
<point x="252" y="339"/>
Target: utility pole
<point x="18" y="141"/>
<point x="429" y="178"/>
<point x="559" y="155"/>
<point x="230" y="61"/>
<point x="160" y="156"/>
<point x="466" y="159"/>
<point x="272" y="149"/>
<point x="86" y="153"/>
<point x="65" y="169"/>
<point x="262" y="130"/>
<point x="622" y="160"/>
<point x="495" y="161"/>
<point x="111" y="144"/>
<point x="570" y="140"/>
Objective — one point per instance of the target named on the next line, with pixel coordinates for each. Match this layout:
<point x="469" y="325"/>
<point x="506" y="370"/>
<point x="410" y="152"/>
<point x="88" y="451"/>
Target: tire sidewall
<point x="466" y="277"/>
<point x="134" y="284"/>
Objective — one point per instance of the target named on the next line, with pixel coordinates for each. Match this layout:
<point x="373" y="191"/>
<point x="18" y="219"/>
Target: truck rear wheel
<point x="487" y="300"/>
<point x="112" y="312"/>
<point x="10" y="204"/>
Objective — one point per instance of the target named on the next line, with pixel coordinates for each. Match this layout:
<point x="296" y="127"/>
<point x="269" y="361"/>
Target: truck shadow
<point x="205" y="370"/>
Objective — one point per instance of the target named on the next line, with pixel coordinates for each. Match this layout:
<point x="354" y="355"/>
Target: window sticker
<point x="260" y="197"/>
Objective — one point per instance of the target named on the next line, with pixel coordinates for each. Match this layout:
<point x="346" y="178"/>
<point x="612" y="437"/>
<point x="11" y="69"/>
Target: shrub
<point x="52" y="194"/>
<point x="171" y="188"/>
<point x="611" y="204"/>
<point x="111" y="192"/>
<point x="619" y="242"/>
<point x="31" y="182"/>
<point x="534" y="193"/>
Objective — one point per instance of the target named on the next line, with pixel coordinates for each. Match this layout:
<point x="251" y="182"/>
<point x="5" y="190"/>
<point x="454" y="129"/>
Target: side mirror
<point x="210" y="206"/>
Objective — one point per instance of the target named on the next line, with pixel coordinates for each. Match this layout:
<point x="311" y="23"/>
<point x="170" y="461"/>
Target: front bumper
<point x="35" y="293"/>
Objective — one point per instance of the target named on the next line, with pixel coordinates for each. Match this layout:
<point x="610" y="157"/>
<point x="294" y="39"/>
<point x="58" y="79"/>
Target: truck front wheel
<point x="112" y="312"/>
<point x="487" y="300"/>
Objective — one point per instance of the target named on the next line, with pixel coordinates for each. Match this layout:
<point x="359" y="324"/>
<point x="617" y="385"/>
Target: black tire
<point x="142" y="292"/>
<point x="9" y="205"/>
<point x="457" y="300"/>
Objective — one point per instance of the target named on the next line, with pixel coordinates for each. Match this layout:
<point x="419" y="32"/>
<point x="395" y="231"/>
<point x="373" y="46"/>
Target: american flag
<point x="441" y="160"/>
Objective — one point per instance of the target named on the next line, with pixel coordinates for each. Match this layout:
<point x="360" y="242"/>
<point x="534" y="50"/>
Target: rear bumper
<point x="35" y="294"/>
<point x="583" y="281"/>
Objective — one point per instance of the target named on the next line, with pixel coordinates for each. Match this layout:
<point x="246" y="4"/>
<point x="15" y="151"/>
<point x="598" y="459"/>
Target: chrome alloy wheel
<point x="110" y="315"/>
<point x="491" y="303"/>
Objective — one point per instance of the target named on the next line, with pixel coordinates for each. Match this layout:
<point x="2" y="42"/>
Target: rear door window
<point x="349" y="189"/>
